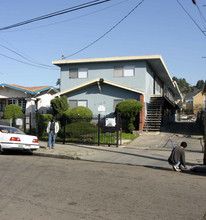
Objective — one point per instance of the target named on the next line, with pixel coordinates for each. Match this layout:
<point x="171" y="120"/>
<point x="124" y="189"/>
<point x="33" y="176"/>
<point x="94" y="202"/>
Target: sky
<point x="155" y="27"/>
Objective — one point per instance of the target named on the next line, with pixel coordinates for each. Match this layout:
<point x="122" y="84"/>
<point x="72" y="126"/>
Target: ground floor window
<point x="116" y="101"/>
<point x="22" y="103"/>
<point x="2" y="104"/>
<point x="12" y="102"/>
<point x="75" y="103"/>
<point x="19" y="102"/>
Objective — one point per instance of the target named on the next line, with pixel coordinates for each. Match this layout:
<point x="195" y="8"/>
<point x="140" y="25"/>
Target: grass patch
<point x="129" y="136"/>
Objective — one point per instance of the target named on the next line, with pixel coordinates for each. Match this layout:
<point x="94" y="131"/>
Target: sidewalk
<point x="150" y="149"/>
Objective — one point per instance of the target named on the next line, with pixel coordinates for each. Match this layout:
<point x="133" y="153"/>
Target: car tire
<point x="1" y="150"/>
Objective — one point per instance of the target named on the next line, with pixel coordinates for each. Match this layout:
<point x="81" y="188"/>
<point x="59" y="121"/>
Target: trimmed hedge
<point x="78" y="129"/>
<point x="76" y="114"/>
<point x="128" y="110"/>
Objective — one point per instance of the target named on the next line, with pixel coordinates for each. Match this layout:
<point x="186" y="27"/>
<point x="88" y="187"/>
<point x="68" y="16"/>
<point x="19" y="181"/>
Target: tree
<point x="200" y="84"/>
<point x="183" y="85"/>
<point x="12" y="111"/>
<point x="58" y="83"/>
<point x="59" y="105"/>
<point x="128" y="110"/>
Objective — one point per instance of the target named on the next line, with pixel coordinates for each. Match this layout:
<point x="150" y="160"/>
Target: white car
<point x="13" y="139"/>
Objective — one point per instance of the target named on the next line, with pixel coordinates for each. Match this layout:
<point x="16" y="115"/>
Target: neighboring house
<point x="30" y="99"/>
<point x="194" y="102"/>
<point x="101" y="83"/>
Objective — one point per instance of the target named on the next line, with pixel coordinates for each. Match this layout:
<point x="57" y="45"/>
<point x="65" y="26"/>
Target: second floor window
<point x="78" y="73"/>
<point x="120" y="71"/>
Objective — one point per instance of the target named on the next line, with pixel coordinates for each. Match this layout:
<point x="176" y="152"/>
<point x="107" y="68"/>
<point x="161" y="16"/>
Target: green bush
<point x="59" y="105"/>
<point x="11" y="111"/>
<point x="78" y="129"/>
<point x="128" y="110"/>
<point x="76" y="114"/>
<point x="43" y="120"/>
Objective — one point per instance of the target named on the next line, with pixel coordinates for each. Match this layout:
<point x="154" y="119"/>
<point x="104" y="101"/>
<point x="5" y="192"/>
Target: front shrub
<point x="128" y="110"/>
<point x="78" y="129"/>
<point x="11" y="111"/>
<point x="77" y="114"/>
<point x="59" y="105"/>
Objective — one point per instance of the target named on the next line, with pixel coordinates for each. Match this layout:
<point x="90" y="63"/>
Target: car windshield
<point x="10" y="130"/>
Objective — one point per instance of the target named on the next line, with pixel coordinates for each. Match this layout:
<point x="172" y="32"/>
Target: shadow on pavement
<point x="183" y="128"/>
<point x="191" y="172"/>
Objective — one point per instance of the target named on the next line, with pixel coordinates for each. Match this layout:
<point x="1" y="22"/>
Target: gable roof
<point x="154" y="61"/>
<point x="99" y="81"/>
<point x="190" y="95"/>
<point x="31" y="90"/>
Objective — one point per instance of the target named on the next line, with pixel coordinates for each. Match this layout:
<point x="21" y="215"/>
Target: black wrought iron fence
<point x="98" y="130"/>
<point x="27" y="123"/>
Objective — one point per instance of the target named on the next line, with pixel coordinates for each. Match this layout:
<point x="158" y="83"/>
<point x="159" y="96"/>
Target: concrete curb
<point x="56" y="156"/>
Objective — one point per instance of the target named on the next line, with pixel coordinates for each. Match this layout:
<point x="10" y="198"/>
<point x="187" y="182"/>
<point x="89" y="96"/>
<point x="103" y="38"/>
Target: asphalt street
<point x="44" y="188"/>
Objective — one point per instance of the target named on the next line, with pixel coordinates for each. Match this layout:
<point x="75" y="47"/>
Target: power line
<point x="70" y="19"/>
<point x="28" y="59"/>
<point x="201" y="15"/>
<point x="25" y="62"/>
<point x="105" y="32"/>
<point x="64" y="11"/>
<point x="191" y="17"/>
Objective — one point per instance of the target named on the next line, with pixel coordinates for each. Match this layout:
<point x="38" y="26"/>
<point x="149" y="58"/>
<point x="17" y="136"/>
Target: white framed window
<point x="120" y="71"/>
<point x="82" y="73"/>
<point x="12" y="101"/>
<point x="82" y="103"/>
<point x="22" y="103"/>
<point x="129" y="71"/>
<point x="75" y="73"/>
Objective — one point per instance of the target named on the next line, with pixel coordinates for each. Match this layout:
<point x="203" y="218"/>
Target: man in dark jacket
<point x="177" y="157"/>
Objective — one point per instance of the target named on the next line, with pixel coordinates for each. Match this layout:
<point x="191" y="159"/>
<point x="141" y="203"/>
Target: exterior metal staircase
<point x="154" y="114"/>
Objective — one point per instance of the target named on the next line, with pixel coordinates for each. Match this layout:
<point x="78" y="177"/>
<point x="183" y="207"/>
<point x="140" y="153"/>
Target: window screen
<point x="72" y="103"/>
<point x="118" y="71"/>
<point x="116" y="101"/>
<point x="73" y="73"/>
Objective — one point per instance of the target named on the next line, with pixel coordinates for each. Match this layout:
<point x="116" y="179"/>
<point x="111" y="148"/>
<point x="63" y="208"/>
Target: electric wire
<point x="67" y="20"/>
<point x="84" y="48"/>
<point x="64" y="11"/>
<point x="22" y="56"/>
<point x="191" y="17"/>
<point x="20" y="61"/>
<point x="201" y="16"/>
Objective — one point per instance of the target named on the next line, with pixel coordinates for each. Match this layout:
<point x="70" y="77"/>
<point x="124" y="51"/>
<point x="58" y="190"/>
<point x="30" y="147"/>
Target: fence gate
<point x="100" y="131"/>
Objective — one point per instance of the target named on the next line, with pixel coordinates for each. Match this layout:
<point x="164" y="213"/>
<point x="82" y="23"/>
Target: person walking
<point x="52" y="130"/>
<point x="177" y="157"/>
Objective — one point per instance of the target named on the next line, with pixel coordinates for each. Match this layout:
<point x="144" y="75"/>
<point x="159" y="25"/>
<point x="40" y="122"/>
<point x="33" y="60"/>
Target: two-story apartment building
<point x="101" y="83"/>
